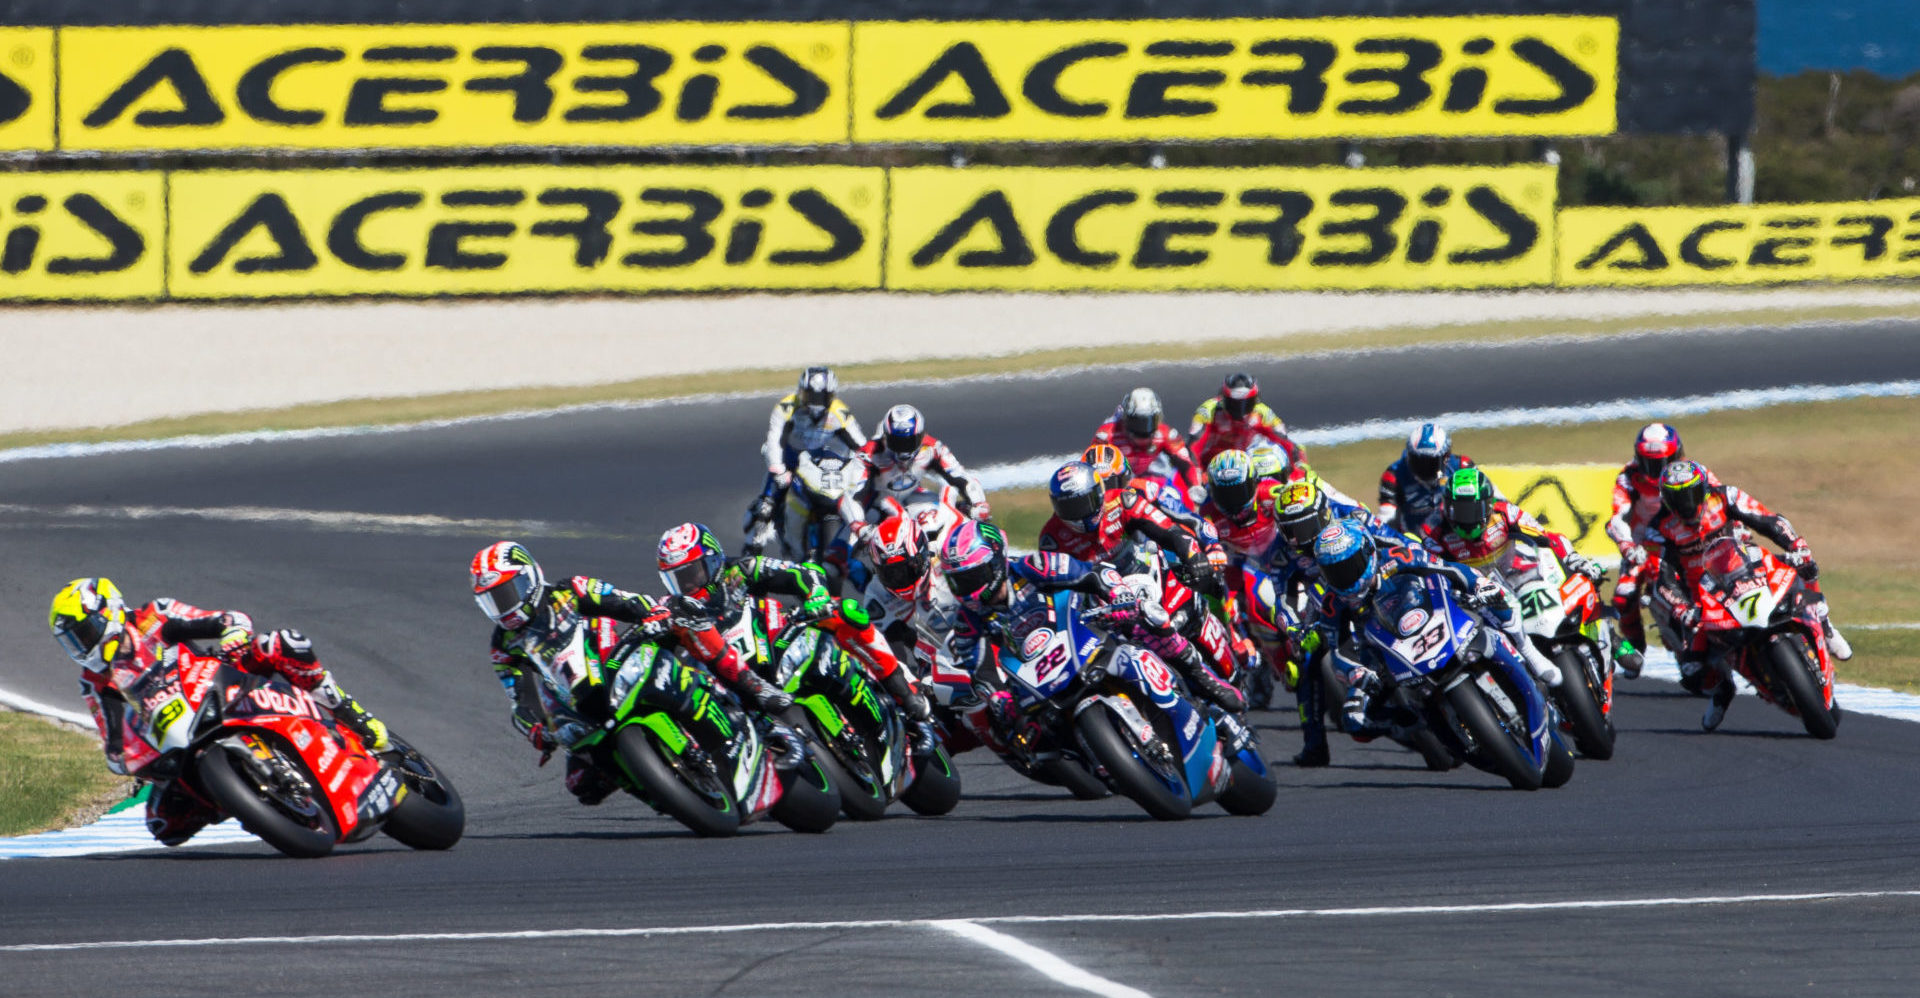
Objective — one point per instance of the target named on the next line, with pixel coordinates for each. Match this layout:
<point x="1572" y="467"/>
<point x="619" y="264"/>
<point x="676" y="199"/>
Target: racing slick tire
<point x="431" y="816"/>
<point x="1794" y="668"/>
<point x="808" y="802"/>
<point x="936" y="784"/>
<point x="1100" y="729"/>
<point x="669" y="792"/>
<point x="1075" y="778"/>
<point x="1249" y="793"/>
<point x="1498" y="749"/>
<point x="236" y="792"/>
<point x="1580" y="702"/>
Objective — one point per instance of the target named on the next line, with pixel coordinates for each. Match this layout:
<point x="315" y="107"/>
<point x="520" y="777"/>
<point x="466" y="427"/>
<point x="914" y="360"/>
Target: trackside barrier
<point x="1739" y="244"/>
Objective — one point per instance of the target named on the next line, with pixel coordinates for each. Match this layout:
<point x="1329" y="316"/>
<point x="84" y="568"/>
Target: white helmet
<point x="1428" y="448"/>
<point x="1140" y="412"/>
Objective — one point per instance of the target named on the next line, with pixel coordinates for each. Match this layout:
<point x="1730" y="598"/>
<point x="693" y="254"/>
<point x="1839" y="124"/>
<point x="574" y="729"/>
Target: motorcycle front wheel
<point x="808" y="800"/>
<point x="299" y="825"/>
<point x="1581" y="703"/>
<point x="1795" y="670"/>
<point x="696" y="796"/>
<point x="1497" y="749"/>
<point x="936" y="784"/>
<point x="1116" y="751"/>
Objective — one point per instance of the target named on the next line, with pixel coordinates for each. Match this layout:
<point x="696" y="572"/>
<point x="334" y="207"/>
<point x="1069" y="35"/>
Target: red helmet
<point x="1656" y="445"/>
<point x="1239" y="393"/>
<point x="507" y="584"/>
<point x="899" y="558"/>
<point x="691" y="559"/>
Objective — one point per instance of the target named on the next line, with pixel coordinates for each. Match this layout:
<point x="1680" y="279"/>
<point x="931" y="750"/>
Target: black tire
<point x="860" y="800"/>
<point x="665" y="789"/>
<point x="1250" y="793"/>
<point x="1438" y="757"/>
<point x="936" y="784"/>
<point x="1581" y="704"/>
<point x="1077" y="779"/>
<point x="432" y="816"/>
<point x="809" y="801"/>
<point x="1098" y="728"/>
<point x="1497" y="748"/>
<point x="235" y="793"/>
<point x="1559" y="767"/>
<point x="1793" y="668"/>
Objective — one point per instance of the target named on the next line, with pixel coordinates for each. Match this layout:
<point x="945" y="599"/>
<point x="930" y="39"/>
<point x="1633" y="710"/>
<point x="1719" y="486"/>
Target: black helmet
<point x="1428" y="448"/>
<point x="1239" y="394"/>
<point x="1683" y="488"/>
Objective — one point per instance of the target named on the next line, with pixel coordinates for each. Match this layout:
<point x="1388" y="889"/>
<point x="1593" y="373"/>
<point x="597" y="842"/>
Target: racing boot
<point x="588" y="783"/>
<point x="788" y="748"/>
<point x="175" y="815"/>
<point x="1358" y="709"/>
<point x="919" y="712"/>
<point x="347" y="710"/>
<point x="1538" y="663"/>
<point x="768" y="698"/>
<point x="1837" y="645"/>
<point x="1180" y="653"/>
<point x="1627" y="658"/>
<point x="1717" y="706"/>
<point x="1313" y="725"/>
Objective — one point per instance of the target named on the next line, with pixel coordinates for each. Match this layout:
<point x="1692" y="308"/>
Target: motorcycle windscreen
<point x="1410" y="625"/>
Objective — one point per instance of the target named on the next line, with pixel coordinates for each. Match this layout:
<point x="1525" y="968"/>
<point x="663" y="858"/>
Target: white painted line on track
<point x="411" y="523"/>
<point x="1033" y="956"/>
<point x="1376" y="911"/>
<point x="1910" y="626"/>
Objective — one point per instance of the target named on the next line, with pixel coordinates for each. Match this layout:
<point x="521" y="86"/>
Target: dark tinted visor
<point x="1078" y="508"/>
<point x="1344" y="573"/>
<point x="506" y="597"/>
<point x="1300" y="531"/>
<point x="1237" y="407"/>
<point x="1685" y="503"/>
<point x="1427" y="468"/>
<point x="1651" y="466"/>
<point x="903" y="443"/>
<point x="1467" y="512"/>
<point x="688" y="578"/>
<point x="1234" y="497"/>
<point x="810" y="397"/>
<point x="901" y="574"/>
<point x="968" y="582"/>
<point x="1141" y="425"/>
<point x="82" y="636"/>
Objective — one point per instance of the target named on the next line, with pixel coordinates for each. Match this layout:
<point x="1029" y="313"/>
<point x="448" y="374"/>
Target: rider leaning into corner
<point x="1144" y="439"/>
<point x="992" y="592"/>
<point x="709" y="591"/>
<point x="91" y="622"/>
<point x="513" y="591"/>
<point x="1636" y="499"/>
<point x="1695" y="513"/>
<point x="1111" y="465"/>
<point x="1236" y="419"/>
<point x="809" y="418"/>
<point x="904" y="447"/>
<point x="1413" y="487"/>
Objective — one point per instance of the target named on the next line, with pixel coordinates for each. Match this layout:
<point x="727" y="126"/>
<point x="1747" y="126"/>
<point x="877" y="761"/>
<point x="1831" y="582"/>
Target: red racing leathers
<point x="1636" y="500"/>
<point x="1216" y="429"/>
<point x="1682" y="558"/>
<point x="1142" y="452"/>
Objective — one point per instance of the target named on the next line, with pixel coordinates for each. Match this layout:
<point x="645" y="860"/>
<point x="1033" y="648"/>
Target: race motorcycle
<point x="1442" y="674"/>
<point x="706" y="764"/>
<point x="265" y="752"/>
<point x="1561" y="613"/>
<point x="813" y="528"/>
<point x="860" y="730"/>
<point x="1758" y="617"/>
<point x="1119" y="710"/>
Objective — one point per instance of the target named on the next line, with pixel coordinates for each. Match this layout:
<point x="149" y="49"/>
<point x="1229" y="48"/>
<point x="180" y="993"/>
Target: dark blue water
<point x="1878" y="35"/>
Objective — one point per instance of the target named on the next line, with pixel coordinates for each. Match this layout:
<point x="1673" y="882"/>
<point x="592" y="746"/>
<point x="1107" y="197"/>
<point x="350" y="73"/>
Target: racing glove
<point x="1587" y="567"/>
<point x="767" y="697"/>
<point x="761" y="511"/>
<point x="237" y="637"/>
<point x="1799" y="555"/>
<point x="981" y="511"/>
<point x="1634" y="555"/>
<point x="542" y="741"/>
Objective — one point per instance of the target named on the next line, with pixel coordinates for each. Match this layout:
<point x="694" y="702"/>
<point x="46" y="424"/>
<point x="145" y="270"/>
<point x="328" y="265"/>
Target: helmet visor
<point x="1081" y="508"/>
<point x="688" y="578"/>
<point x="1424" y="466"/>
<point x="80" y="637"/>
<point x="1344" y="575"/>
<point x="1141" y="424"/>
<point x="1652" y="467"/>
<point x="1234" y="496"/>
<point x="1467" y="513"/>
<point x="1685" y="501"/>
<point x="1301" y="529"/>
<point x="900" y="575"/>
<point x="903" y="444"/>
<point x="1237" y="408"/>
<point x="972" y="582"/>
<point x="510" y="594"/>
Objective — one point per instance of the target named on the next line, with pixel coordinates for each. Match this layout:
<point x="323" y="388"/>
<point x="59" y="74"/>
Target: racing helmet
<point x="1111" y="465"/>
<point x="1657" y="444"/>
<point x="1238" y="394"/>
<point x="1231" y="481"/>
<point x="1077" y="495"/>
<point x="902" y="431"/>
<point x="1269" y="460"/>
<point x="1683" y="489"/>
<point x="1140" y="412"/>
<point x="507" y="584"/>
<point x="1347" y="560"/>
<point x="1428" y="448"/>
<point x="899" y="558"/>
<point x="89" y="620"/>
<point x="1301" y="511"/>
<point x="974" y="559"/>
<point x="1469" y="502"/>
<point x="815" y="393"/>
<point x="691" y="560"/>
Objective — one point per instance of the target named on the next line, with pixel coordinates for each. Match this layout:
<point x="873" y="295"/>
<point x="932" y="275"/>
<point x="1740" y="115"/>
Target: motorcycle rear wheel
<point x="1250" y="793"/>
<point x="1793" y="667"/>
<point x="936" y="784"/>
<point x="1497" y="749"/>
<point x="224" y="778"/>
<point x="669" y="792"/>
<point x="1100" y="730"/>
<point x="432" y="816"/>
<point x="1581" y="701"/>
<point x="1559" y="767"/>
<point x="860" y="799"/>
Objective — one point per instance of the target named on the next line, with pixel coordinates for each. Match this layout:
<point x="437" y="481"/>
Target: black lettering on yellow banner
<point x="81" y="236"/>
<point x="1129" y="229"/>
<point x="417" y="86"/>
<point x="524" y="229"/>
<point x="1090" y="81"/>
<point x="26" y="89"/>
<point x="1739" y="244"/>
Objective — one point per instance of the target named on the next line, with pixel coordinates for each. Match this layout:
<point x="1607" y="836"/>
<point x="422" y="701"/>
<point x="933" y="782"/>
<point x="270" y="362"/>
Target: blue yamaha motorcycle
<point x="1118" y="709"/>
<point x="1464" y="683"/>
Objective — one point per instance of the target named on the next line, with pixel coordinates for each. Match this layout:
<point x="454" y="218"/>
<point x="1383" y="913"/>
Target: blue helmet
<point x="1078" y="495"/>
<point x="1347" y="559"/>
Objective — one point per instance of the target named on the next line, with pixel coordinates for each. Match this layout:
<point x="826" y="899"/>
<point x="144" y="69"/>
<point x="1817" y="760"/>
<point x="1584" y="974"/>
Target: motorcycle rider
<point x="1350" y="563"/>
<point x="709" y="590"/>
<point x="989" y="589"/>
<point x="1477" y="529"/>
<point x="1695" y="513"/>
<point x="811" y="417"/>
<point x="1636" y="498"/>
<point x="1413" y="487"/>
<point x="1111" y="465"/>
<point x="1143" y="438"/>
<point x="1235" y="419"/>
<point x="1090" y="525"/>
<point x="90" y="620"/>
<point x="905" y="447"/>
<point x="514" y="593"/>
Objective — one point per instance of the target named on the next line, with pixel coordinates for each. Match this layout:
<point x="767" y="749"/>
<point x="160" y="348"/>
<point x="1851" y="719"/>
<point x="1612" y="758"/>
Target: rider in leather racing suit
<point x="1143" y="438"/>
<point x="1236" y="419"/>
<point x="904" y="446"/>
<point x="90" y="620"/>
<point x="1477" y="529"/>
<point x="1111" y="465"/>
<point x="513" y="591"/>
<point x="1413" y="487"/>
<point x="1090" y="525"/>
<point x="710" y="591"/>
<point x="810" y="418"/>
<point x="991" y="590"/>
<point x="1695" y="513"/>
<point x="1636" y="499"/>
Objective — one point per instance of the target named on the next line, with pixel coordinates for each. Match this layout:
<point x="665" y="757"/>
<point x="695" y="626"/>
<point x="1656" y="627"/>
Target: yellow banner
<point x="1570" y="499"/>
<point x="82" y="236"/>
<point x="26" y="89"/>
<point x="1739" y="244"/>
<point x="1107" y="81"/>
<point x="1133" y="229"/>
<point x="470" y="85"/>
<point x="523" y="229"/>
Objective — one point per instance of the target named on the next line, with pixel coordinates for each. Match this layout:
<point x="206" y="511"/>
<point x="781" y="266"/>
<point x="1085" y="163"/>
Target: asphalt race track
<point x="1756" y="809"/>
